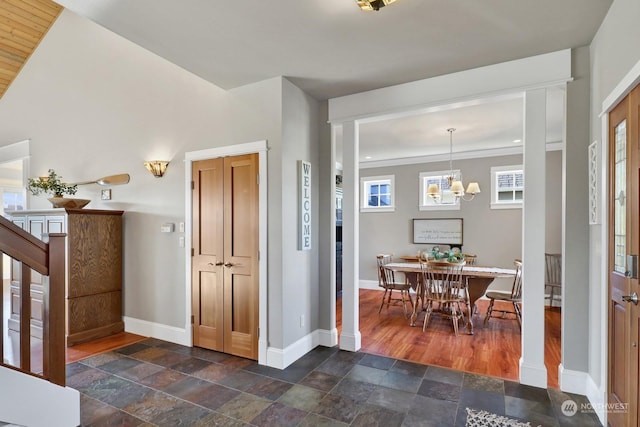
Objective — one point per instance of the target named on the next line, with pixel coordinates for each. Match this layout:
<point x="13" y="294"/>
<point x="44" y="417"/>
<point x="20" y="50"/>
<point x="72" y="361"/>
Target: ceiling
<point x="331" y="48"/>
<point x="22" y="25"/>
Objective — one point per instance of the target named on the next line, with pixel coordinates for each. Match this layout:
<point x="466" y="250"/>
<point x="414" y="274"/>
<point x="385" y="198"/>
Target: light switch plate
<point x="106" y="194"/>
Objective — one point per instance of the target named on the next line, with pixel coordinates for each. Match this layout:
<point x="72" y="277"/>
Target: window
<point x="447" y="200"/>
<point x="507" y="187"/>
<point x="377" y="194"/>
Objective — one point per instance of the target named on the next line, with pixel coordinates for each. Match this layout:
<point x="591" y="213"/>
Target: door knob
<point x="631" y="298"/>
<point x="228" y="265"/>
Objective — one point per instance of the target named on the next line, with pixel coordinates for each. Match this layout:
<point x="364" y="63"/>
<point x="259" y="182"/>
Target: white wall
<point x="94" y="104"/>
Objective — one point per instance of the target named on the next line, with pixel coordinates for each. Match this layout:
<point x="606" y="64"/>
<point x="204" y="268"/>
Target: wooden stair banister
<point x="47" y="258"/>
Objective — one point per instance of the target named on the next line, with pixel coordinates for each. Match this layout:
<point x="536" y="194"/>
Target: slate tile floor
<point x="153" y="382"/>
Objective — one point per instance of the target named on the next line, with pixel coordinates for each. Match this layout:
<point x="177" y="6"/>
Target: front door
<point x="624" y="240"/>
<point x="225" y="255"/>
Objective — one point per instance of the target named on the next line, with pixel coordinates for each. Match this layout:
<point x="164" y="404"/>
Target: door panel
<point x="225" y="235"/>
<point x="207" y="289"/>
<point x="241" y="245"/>
<point x="624" y="239"/>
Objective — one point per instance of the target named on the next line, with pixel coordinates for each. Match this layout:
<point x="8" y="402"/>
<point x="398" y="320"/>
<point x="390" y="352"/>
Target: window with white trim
<point x="507" y="187"/>
<point x="377" y="193"/>
<point x="447" y="200"/>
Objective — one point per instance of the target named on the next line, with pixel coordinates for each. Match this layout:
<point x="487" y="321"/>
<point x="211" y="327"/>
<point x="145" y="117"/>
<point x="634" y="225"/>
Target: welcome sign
<point x="304" y="211"/>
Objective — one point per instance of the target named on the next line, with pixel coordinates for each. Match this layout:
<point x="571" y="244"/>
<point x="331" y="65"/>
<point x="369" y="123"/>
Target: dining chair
<point x="514" y="297"/>
<point x="470" y="259"/>
<point x="445" y="291"/>
<point x="387" y="281"/>
<point x="553" y="276"/>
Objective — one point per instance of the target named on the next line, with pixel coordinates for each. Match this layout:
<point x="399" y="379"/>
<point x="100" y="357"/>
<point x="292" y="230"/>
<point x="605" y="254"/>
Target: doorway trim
<point x="261" y="148"/>
<point x="622" y="89"/>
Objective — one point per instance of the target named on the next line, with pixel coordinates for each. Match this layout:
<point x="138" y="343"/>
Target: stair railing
<point x="46" y="257"/>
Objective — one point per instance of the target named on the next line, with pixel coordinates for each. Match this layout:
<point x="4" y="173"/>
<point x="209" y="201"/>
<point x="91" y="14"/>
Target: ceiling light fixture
<point x="373" y="4"/>
<point x="455" y="185"/>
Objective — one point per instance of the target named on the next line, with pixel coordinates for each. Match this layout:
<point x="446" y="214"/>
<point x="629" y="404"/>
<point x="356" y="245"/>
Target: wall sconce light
<point x="156" y="167"/>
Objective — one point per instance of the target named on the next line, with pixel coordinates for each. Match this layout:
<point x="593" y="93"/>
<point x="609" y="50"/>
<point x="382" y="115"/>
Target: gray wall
<point x="494" y="235"/>
<point x="613" y="52"/>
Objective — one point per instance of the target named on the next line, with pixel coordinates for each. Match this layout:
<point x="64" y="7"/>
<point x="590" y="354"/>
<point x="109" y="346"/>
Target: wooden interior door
<point x="225" y="259"/>
<point x="624" y="239"/>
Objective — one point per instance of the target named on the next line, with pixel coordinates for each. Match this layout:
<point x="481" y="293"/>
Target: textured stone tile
<point x="203" y="353"/>
<point x="302" y="397"/>
<point x="182" y="414"/>
<point x="378" y="362"/>
<point x="202" y="392"/>
<point x="149" y="354"/>
<point x="100" y="359"/>
<point x="339" y="408"/>
<point x="117" y="391"/>
<point x="427" y="412"/>
<point x="151" y="406"/>
<point x="162" y="379"/>
<point x="141" y="371"/>
<point x="528" y="392"/>
<point x="118" y="365"/>
<point x="75" y="368"/>
<point x="320" y="380"/>
<point x="237" y="362"/>
<point x="269" y="388"/>
<point x="279" y="415"/>
<point x="86" y="378"/>
<point x="376" y="416"/>
<point x="366" y="374"/>
<point x="241" y="380"/>
<point x="356" y="390"/>
<point x="244" y="407"/>
<point x="395" y="400"/>
<point x="482" y="399"/>
<point x="315" y="420"/>
<point x="438" y="390"/>
<point x="409" y="368"/>
<point x="443" y="375"/>
<point x="133" y="348"/>
<point x="214" y="372"/>
<point x="481" y="382"/>
<point x="403" y="382"/>
<point x="218" y="420"/>
<point x="538" y="412"/>
<point x="191" y="365"/>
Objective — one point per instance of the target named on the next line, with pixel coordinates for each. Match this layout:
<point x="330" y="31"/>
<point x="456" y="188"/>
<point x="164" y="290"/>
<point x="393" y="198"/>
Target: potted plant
<point x="52" y="184"/>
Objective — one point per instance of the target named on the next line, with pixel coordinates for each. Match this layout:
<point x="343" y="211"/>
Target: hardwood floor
<point x="493" y="350"/>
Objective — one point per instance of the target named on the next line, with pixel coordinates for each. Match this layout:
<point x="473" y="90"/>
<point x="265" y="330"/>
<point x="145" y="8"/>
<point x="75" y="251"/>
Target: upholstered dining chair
<point x="387" y="281"/>
<point x="514" y="297"/>
<point x="445" y="291"/>
<point x="553" y="276"/>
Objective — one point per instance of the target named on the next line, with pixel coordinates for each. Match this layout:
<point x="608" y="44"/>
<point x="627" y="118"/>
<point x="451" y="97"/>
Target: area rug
<point x="477" y="418"/>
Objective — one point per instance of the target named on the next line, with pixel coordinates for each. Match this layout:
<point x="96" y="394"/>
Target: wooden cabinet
<point x="93" y="271"/>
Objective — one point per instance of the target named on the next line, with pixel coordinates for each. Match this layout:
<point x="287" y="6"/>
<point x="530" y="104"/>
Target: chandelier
<point x="455" y="183"/>
<point x="373" y="4"/>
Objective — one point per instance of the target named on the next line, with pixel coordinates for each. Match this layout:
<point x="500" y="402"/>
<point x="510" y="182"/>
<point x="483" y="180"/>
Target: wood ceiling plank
<point x="19" y="12"/>
<point x="23" y="24"/>
<point x="30" y="9"/>
<point x="50" y="8"/>
<point x="17" y="34"/>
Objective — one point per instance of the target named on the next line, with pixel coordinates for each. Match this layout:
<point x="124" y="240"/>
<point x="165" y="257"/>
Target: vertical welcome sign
<point x="304" y="210"/>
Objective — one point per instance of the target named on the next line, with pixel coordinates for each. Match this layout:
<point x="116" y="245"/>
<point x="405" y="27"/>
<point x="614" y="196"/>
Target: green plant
<point x="51" y="184"/>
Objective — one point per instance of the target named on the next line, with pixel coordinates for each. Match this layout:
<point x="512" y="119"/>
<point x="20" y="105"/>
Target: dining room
<point x="394" y="195"/>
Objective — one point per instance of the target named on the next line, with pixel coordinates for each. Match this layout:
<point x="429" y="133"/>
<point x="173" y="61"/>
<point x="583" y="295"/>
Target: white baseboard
<point x="351" y="341"/>
<point x="598" y="398"/>
<point x="572" y="381"/>
<point x="281" y="358"/>
<point x="34" y="402"/>
<point x="157" y="330"/>
<point x="533" y="375"/>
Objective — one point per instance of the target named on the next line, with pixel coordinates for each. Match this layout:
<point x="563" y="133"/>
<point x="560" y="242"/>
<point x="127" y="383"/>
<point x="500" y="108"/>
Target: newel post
<point x="54" y="346"/>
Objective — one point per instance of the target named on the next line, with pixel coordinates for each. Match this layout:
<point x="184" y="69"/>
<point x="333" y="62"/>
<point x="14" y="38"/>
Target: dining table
<point x="478" y="279"/>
